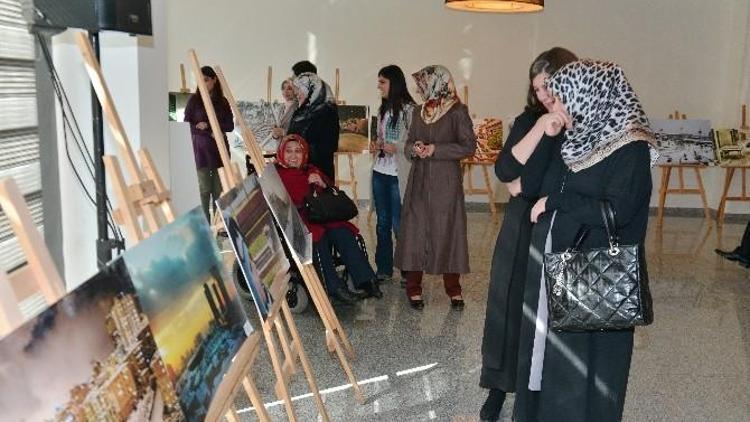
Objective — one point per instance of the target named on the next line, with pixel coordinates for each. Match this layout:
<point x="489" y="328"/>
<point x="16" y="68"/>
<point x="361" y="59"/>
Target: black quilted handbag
<point x="600" y="288"/>
<point x="329" y="205"/>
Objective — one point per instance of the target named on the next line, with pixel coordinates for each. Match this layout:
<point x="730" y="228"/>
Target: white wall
<point x="686" y="54"/>
<point x="135" y="71"/>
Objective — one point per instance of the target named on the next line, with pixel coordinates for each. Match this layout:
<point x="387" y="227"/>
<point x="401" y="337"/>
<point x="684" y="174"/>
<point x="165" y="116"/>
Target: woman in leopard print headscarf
<point x="606" y="155"/>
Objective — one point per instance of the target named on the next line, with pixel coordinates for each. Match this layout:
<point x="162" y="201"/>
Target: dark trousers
<point x="414" y="283"/>
<point x="209" y="186"/>
<point x="387" y="199"/>
<point x="744" y="248"/>
<point x="353" y="257"/>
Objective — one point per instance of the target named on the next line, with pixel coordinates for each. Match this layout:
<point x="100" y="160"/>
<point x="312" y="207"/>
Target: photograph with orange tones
<point x="192" y="306"/>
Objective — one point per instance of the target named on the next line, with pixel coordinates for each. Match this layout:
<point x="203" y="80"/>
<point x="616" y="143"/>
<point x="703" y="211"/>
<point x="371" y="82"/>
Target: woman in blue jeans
<point x="390" y="166"/>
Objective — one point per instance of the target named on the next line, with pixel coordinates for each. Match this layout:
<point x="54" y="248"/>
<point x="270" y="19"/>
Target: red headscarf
<point x="281" y="159"/>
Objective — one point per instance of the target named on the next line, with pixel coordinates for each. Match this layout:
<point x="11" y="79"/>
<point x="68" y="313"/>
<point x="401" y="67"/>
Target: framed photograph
<point x="683" y="141"/>
<point x="90" y="356"/>
<point x="298" y="238"/>
<point x="192" y="306"/>
<point x="261" y="117"/>
<point x="354" y="128"/>
<point x="256" y="243"/>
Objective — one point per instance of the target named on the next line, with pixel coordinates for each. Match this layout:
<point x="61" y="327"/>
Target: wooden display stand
<point x="729" y="175"/>
<point x="467" y="167"/>
<point x="350" y="156"/>
<point x="38" y="277"/>
<point x="147" y="196"/>
<point x="280" y="314"/>
<point x="666" y="173"/>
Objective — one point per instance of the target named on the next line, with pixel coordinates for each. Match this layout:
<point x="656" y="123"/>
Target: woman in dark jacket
<point x="606" y="155"/>
<point x="521" y="167"/>
<point x="207" y="158"/>
<point x="317" y="121"/>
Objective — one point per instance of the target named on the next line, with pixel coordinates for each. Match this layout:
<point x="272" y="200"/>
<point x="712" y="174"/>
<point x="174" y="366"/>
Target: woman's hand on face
<point x="314" y="178"/>
<point x="539" y="208"/>
<point x="201" y="126"/>
<point x="553" y="122"/>
<point x="514" y="187"/>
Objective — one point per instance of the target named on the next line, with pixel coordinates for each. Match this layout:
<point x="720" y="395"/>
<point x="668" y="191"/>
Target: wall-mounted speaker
<point x="131" y="16"/>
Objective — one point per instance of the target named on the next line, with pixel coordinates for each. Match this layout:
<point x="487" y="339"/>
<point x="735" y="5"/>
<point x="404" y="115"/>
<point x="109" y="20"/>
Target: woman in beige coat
<point x="432" y="237"/>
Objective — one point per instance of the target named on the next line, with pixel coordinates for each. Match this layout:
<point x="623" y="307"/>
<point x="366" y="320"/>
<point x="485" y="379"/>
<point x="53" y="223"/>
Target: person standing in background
<point x="390" y="165"/>
<point x="207" y="158"/>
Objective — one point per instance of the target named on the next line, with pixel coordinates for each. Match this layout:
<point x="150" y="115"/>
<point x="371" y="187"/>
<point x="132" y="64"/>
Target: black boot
<point x="492" y="406"/>
<point x="372" y="289"/>
<point x="343" y="295"/>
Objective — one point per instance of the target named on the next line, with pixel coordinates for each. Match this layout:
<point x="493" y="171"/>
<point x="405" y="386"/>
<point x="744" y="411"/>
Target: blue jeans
<point x="345" y="242"/>
<point x="387" y="199"/>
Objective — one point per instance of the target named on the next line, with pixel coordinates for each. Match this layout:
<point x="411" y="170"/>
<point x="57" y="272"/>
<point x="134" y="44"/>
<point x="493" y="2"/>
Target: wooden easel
<point x="467" y="167"/>
<point x="666" y="173"/>
<point x="293" y="350"/>
<point x="183" y="82"/>
<point x="147" y="196"/>
<point x="730" y="172"/>
<point x="336" y="339"/>
<point x="38" y="277"/>
<point x="350" y="156"/>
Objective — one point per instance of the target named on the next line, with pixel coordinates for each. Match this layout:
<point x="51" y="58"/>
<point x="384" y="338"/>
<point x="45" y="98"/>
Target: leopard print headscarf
<point x="436" y="87"/>
<point x="606" y="112"/>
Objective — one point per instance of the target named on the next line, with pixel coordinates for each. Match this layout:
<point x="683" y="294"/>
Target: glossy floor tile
<point x="692" y="364"/>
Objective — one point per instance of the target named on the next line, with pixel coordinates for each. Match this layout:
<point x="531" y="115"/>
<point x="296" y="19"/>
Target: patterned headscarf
<point x="435" y="85"/>
<point x="318" y="95"/>
<point x="606" y="112"/>
<point x="281" y="159"/>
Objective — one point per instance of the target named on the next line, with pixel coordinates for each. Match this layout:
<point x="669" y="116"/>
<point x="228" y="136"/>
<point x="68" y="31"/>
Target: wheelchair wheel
<point x="297" y="298"/>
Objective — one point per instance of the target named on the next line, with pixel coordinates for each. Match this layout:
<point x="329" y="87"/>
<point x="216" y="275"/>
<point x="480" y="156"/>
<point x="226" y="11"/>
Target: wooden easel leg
<point x="290" y="358"/>
<point x="323" y="304"/>
<point x="702" y="192"/>
<point x="10" y="314"/>
<point x="232" y="415"/>
<point x="490" y="192"/>
<point x="728" y="176"/>
<point x="131" y="223"/>
<point x="252" y="392"/>
<point x="305" y="363"/>
<point x="353" y="178"/>
<point x="665" y="174"/>
<point x="282" y="386"/>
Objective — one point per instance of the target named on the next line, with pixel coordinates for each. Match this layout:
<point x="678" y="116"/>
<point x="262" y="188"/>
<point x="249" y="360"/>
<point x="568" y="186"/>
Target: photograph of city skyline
<point x="192" y="306"/>
<point x="89" y="357"/>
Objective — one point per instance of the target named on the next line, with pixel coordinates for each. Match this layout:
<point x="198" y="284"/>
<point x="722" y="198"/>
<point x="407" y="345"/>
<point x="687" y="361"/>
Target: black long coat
<point x="321" y="131"/>
<point x="585" y="375"/>
<point x="508" y="272"/>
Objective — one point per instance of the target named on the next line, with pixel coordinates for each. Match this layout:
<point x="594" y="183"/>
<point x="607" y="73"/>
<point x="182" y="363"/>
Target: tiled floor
<point x="692" y="364"/>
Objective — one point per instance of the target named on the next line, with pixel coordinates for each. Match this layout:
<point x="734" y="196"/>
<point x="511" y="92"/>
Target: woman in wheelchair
<point x="300" y="178"/>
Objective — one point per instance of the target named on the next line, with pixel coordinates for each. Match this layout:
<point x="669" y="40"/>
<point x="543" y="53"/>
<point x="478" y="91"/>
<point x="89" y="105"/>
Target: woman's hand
<point x="514" y="187"/>
<point x="553" y="122"/>
<point x="539" y="208"/>
<point x="201" y="126"/>
<point x="428" y="150"/>
<point x="389" y="148"/>
<point x="314" y="178"/>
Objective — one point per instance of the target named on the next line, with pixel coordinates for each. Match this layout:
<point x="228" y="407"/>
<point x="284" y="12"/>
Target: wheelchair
<point x="298" y="297"/>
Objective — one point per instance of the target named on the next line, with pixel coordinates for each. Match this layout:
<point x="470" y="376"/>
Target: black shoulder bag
<point x="328" y="205"/>
<point x="600" y="288"/>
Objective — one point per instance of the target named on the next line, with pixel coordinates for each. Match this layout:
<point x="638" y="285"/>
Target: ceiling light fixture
<point x="496" y="6"/>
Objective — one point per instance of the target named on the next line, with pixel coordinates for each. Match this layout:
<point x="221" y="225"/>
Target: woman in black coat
<point x="606" y="155"/>
<point x="316" y="121"/>
<point x="522" y="165"/>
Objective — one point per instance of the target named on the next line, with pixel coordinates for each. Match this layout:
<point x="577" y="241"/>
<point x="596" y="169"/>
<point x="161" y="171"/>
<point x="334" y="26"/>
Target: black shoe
<point x="417" y="304"/>
<point x="732" y="256"/>
<point x="343" y="295"/>
<point x="492" y="406"/>
<point x="358" y="294"/>
<point x="372" y="289"/>
<point x="457" y="304"/>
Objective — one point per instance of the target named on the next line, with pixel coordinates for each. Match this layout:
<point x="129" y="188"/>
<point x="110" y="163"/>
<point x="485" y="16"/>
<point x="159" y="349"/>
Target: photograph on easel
<point x="683" y="141"/>
<point x="489" y="133"/>
<point x="261" y="117"/>
<point x="295" y="232"/>
<point x="731" y="150"/>
<point x="90" y="356"/>
<point x="354" y="130"/>
<point x="192" y="305"/>
<point x="256" y="244"/>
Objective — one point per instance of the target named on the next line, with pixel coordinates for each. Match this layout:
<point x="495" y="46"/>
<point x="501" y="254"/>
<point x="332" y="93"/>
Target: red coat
<point x="295" y="181"/>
